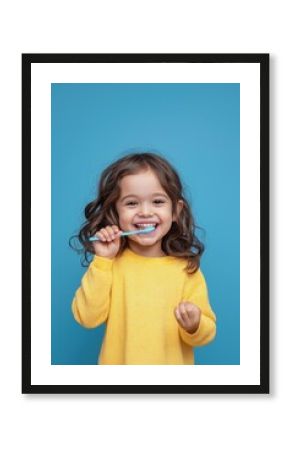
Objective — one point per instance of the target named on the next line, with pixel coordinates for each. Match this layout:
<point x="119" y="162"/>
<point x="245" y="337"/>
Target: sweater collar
<point x="144" y="259"/>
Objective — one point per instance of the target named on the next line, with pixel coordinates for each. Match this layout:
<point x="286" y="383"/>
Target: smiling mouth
<point x="141" y="226"/>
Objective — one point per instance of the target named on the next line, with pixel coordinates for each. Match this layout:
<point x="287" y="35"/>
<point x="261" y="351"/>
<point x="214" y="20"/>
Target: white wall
<point x="226" y="421"/>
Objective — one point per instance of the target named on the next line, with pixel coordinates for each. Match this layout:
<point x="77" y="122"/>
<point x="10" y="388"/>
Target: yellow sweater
<point x="136" y="297"/>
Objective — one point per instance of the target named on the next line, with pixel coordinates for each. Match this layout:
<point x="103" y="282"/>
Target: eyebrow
<point x="155" y="193"/>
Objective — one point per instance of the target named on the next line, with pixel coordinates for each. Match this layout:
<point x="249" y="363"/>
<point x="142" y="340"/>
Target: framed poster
<point x="195" y="128"/>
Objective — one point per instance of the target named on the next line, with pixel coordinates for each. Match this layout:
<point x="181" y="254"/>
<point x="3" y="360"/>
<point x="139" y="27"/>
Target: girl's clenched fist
<point x="109" y="243"/>
<point x="188" y="316"/>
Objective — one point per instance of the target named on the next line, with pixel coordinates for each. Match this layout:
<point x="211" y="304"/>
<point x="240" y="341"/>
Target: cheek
<point x="166" y="220"/>
<point x="124" y="216"/>
<point x="167" y="216"/>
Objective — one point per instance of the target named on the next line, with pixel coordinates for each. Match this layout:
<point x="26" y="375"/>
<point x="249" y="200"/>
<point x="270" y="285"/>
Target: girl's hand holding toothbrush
<point x="106" y="241"/>
<point x="109" y="241"/>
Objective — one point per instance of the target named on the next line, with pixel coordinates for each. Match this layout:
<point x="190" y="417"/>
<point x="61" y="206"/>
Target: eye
<point x="131" y="203"/>
<point x="157" y="201"/>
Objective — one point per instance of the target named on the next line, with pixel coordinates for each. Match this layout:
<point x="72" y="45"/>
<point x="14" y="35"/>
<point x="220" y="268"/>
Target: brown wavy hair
<point x="181" y="240"/>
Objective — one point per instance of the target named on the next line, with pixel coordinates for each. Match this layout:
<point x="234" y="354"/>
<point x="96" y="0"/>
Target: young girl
<point x="147" y="288"/>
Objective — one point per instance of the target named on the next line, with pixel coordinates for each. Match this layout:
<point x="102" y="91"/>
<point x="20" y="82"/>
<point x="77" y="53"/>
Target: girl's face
<point x="143" y="201"/>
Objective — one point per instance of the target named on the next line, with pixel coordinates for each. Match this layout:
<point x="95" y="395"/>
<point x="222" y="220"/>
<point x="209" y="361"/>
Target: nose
<point x="144" y="214"/>
<point x="145" y="211"/>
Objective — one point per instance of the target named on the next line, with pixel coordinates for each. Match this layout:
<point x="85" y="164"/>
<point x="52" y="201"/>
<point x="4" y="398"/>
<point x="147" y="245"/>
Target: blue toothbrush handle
<point x="126" y="233"/>
<point x="96" y="238"/>
<point x="93" y="238"/>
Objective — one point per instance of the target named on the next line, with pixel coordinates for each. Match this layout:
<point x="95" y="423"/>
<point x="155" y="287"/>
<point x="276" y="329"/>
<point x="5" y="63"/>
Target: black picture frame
<point x="263" y="61"/>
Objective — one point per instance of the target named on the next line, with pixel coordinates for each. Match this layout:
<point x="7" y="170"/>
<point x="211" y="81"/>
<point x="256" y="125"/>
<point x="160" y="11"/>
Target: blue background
<point x="197" y="128"/>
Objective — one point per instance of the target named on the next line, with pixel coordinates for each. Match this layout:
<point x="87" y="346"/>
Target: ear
<point x="179" y="207"/>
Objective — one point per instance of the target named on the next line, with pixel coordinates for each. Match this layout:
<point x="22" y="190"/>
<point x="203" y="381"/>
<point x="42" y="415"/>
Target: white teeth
<point x="145" y="225"/>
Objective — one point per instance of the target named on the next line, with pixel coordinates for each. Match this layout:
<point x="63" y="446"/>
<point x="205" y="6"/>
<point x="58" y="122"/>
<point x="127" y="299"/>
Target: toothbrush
<point x="128" y="233"/>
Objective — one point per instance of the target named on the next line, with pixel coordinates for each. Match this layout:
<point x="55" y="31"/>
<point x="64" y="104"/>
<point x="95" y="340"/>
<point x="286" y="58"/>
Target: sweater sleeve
<point x="91" y="302"/>
<point x="195" y="291"/>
